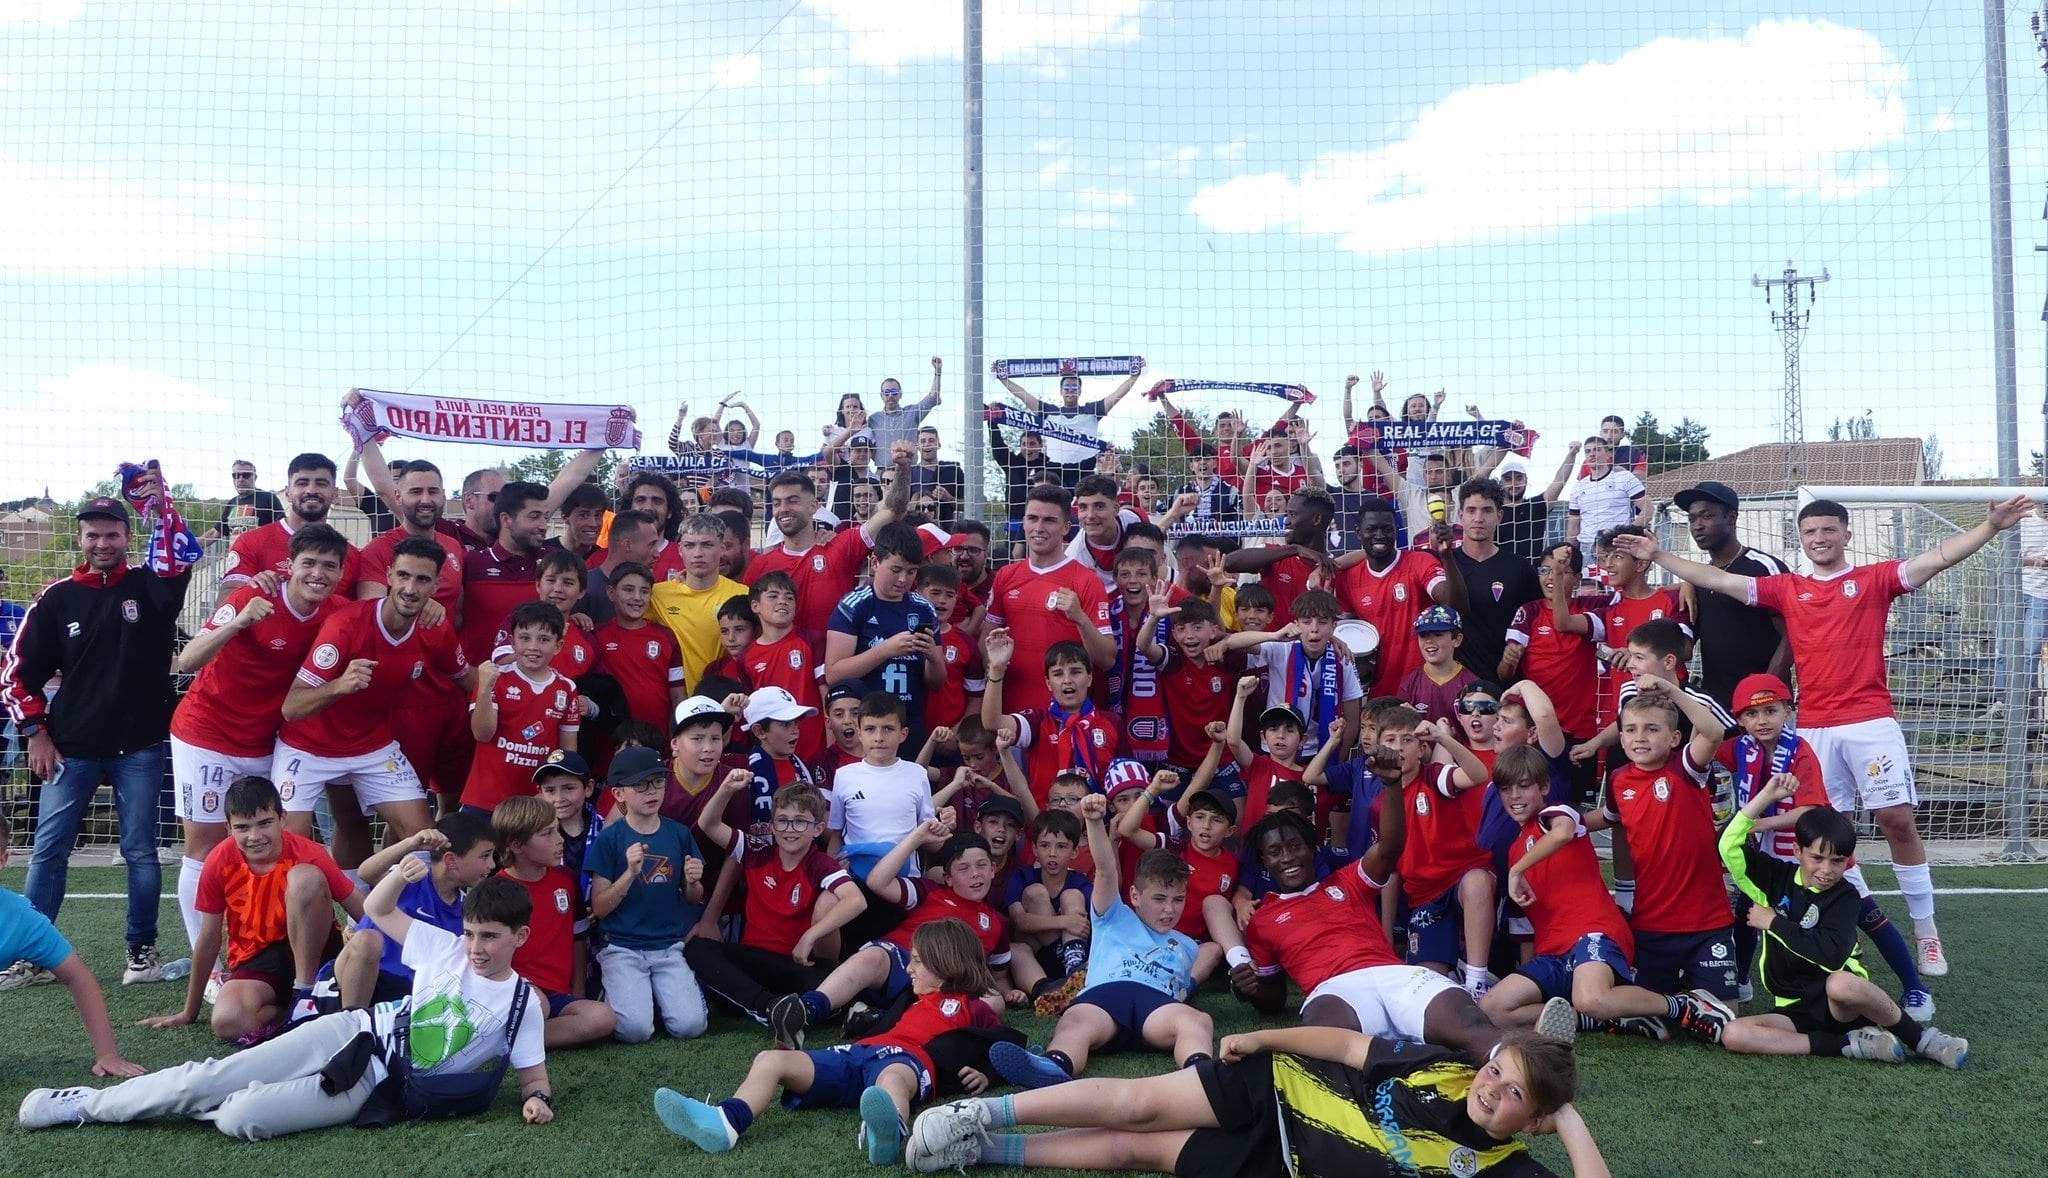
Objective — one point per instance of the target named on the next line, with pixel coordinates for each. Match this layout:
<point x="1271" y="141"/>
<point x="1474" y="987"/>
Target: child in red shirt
<point x="946" y="704"/>
<point x="780" y="658"/>
<point x="523" y="712"/>
<point x="1280" y="731"/>
<point x="883" y="1075"/>
<point x="642" y="657"/>
<point x="529" y="842"/>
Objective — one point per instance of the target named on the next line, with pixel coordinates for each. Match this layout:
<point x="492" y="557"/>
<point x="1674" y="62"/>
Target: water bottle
<point x="171" y="971"/>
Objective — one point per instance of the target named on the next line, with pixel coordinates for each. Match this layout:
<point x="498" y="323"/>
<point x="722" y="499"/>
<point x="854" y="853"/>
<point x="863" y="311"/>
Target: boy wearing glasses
<point x="797" y="900"/>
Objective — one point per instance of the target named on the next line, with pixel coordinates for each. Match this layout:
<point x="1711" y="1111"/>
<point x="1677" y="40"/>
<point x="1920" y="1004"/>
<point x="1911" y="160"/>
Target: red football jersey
<point x="1208" y="875"/>
<point x="1669" y="816"/>
<point x="1025" y="601"/>
<point x="929" y="1017"/>
<point x="924" y="903"/>
<point x="647" y="664"/>
<point x="1571" y="898"/>
<point x="533" y="717"/>
<point x="1621" y="616"/>
<point x="1326" y="930"/>
<point x="779" y="899"/>
<point x="1085" y="743"/>
<point x="376" y="567"/>
<point x="791" y="664"/>
<point x="236" y="704"/>
<point x="269" y="549"/>
<point x="668" y="563"/>
<point x="548" y="958"/>
<point x="494" y="583"/>
<point x="1266" y="479"/>
<point x="1391" y="600"/>
<point x="360" y="722"/>
<point x="1197" y="694"/>
<point x="824" y="573"/>
<point x="1259" y="778"/>
<point x="947" y="703"/>
<point x="576" y="658"/>
<point x="1836" y="627"/>
<point x="1287" y="579"/>
<point x="1566" y="666"/>
<point x="1443" y="840"/>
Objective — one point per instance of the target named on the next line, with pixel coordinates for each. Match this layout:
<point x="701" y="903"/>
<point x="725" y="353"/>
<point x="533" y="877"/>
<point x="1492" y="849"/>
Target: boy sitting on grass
<point x="883" y="1075"/>
<point x="442" y="1052"/>
<point x="645" y="877"/>
<point x="1140" y="971"/>
<point x="1047" y="903"/>
<point x="557" y="948"/>
<point x="272" y="894"/>
<point x="371" y="968"/>
<point x="1302" y="1100"/>
<point x="28" y="935"/>
<point x="1826" y="1003"/>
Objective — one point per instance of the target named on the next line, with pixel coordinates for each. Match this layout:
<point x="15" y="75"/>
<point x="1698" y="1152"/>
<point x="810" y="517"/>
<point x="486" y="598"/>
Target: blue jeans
<point x="137" y="778"/>
<point x="2034" y="630"/>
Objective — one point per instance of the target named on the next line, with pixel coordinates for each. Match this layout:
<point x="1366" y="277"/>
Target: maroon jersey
<point x="375" y="567"/>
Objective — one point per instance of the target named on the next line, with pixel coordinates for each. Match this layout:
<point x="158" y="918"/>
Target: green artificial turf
<point x="1674" y="1111"/>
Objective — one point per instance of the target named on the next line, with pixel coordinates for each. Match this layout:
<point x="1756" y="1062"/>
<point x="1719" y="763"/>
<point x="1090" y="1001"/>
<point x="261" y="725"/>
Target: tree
<point x="542" y="466"/>
<point x="1683" y="443"/>
<point x="1854" y="429"/>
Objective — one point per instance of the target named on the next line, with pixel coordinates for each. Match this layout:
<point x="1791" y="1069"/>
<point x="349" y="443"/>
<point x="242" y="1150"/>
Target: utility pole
<point x="1791" y="324"/>
<point x="971" y="459"/>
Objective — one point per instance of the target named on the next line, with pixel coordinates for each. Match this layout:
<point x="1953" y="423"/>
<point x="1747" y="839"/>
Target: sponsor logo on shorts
<point x="1879" y="768"/>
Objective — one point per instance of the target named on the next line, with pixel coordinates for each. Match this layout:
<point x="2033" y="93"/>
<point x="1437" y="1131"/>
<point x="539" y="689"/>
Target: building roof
<point x="1761" y="470"/>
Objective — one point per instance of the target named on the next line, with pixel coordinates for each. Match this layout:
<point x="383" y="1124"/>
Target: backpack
<point x="406" y="1095"/>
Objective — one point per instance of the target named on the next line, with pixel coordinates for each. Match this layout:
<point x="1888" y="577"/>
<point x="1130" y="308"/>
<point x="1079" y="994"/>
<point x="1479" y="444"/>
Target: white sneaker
<point x="143" y="966"/>
<point x="23" y="974"/>
<point x="1874" y="1043"/>
<point x="1932" y="961"/>
<point x="1559" y="1020"/>
<point x="46" y="1108"/>
<point x="1948" y="1050"/>
<point x="947" y="1137"/>
<point x="1919" y="1004"/>
<point x="214" y="982"/>
<point x="1745" y="992"/>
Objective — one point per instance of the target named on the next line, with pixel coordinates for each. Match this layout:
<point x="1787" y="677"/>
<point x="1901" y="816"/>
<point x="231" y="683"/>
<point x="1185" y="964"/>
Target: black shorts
<point x="1811" y="1016"/>
<point x="1246" y="1142"/>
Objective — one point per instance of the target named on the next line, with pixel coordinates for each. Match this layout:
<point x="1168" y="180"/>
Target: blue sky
<point x="216" y="218"/>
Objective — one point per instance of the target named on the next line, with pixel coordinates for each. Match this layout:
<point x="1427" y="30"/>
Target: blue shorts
<point x="557" y="1003"/>
<point x="899" y="971"/>
<point x="840" y="1074"/>
<point x="1128" y="1005"/>
<point x="1436" y="929"/>
<point x="1553" y="975"/>
<point x="1672" y="963"/>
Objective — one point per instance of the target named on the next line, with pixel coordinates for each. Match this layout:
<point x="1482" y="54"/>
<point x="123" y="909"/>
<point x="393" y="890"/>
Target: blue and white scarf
<point x="1286" y="392"/>
<point x="1071" y="366"/>
<point x="1315" y="689"/>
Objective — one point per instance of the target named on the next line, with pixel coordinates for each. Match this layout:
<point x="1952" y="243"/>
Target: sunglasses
<point x="1478" y="706"/>
<point x="245" y="474"/>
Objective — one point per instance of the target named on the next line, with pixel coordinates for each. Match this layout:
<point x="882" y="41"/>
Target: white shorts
<point x="1388" y="1000"/>
<point x="379" y="778"/>
<point x="202" y="778"/>
<point x="1865" y="765"/>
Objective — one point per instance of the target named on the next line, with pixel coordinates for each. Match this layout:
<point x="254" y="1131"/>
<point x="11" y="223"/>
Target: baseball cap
<point x="1708" y="492"/>
<point x="845" y="689"/>
<point x="1281" y="714"/>
<point x="1122" y="775"/>
<point x="635" y="765"/>
<point x="861" y="438"/>
<point x="1757" y="690"/>
<point x="562" y="762"/>
<point x="1512" y="464"/>
<point x="1438" y="619"/>
<point x="104" y="507"/>
<point x="775" y="703"/>
<point x="824" y="518"/>
<point x="701" y="707"/>
<point x="1002" y="805"/>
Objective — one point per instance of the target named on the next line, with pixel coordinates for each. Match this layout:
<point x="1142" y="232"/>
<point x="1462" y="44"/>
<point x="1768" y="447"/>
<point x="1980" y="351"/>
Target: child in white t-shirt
<point x="878" y="802"/>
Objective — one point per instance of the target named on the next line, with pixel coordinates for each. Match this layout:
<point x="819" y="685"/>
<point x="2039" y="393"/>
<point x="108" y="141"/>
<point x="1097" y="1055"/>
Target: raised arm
<point x="1558" y="832"/>
<point x="1103" y="851"/>
<point x="1022" y="394"/>
<point x="1706" y="576"/>
<point x="885" y="878"/>
<point x="1121" y="391"/>
<point x="931" y="399"/>
<point x="895" y="491"/>
<point x="382" y="905"/>
<point x="1542" y="716"/>
<point x="1563" y="583"/>
<point x="574" y="474"/>
<point x="1555" y="490"/>
<point x="1954" y="550"/>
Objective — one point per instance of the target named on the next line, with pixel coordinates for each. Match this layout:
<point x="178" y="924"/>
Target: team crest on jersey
<point x="1224" y="880"/>
<point x="1422" y="805"/>
<point x="1400" y="592"/>
<point x="1498" y="590"/>
<point x="561" y="700"/>
<point x="950" y="1007"/>
<point x="818" y="563"/>
<point x="222" y="616"/>
<point x="419" y="667"/>
<point x="1052" y="601"/>
<point x="796" y="660"/>
<point x="581" y="654"/>
<point x="327" y="657"/>
<point x="1848" y="588"/>
<point x="1464" y="1162"/>
<point x="562" y="900"/>
<point x="1215" y="683"/>
<point x="982" y="918"/>
<point x="952" y="655"/>
<point x="1662" y="789"/>
<point x="234" y="562"/>
<point x="1655" y="614"/>
<point x="1098" y="737"/>
<point x="796" y="893"/>
<point x="1810" y="917"/>
<point x="653" y="649"/>
<point x="1529" y="844"/>
<point x="1334" y="892"/>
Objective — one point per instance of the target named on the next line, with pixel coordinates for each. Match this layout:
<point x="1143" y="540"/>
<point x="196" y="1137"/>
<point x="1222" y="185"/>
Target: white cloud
<point x="1103" y="198"/>
<point x="1054" y="170"/>
<point x="49" y="13"/>
<point x="1710" y="120"/>
<point x="1181" y="161"/>
<point x="107" y="225"/>
<point x="736" y="71"/>
<point x="889" y="33"/>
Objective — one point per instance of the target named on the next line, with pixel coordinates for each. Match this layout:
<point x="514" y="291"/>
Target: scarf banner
<point x="1286" y="392"/>
<point x="1044" y="428"/>
<point x="1446" y="435"/>
<point x="1315" y="689"/>
<point x="1071" y="366"/>
<point x="490" y="423"/>
<point x="172" y="547"/>
<point x="697" y="465"/>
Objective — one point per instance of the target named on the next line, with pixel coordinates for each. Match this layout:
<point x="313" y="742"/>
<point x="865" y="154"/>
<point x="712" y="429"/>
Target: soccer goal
<point x="1965" y="671"/>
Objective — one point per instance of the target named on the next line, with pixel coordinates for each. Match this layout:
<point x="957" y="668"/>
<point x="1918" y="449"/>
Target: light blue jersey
<point x="1125" y="949"/>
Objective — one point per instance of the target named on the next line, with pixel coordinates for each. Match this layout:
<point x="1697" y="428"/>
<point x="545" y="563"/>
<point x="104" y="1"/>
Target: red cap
<point x="1759" y="689"/>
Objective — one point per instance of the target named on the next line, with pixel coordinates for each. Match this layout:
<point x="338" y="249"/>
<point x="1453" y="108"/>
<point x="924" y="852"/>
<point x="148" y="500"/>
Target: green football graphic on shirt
<point x="441" y="1027"/>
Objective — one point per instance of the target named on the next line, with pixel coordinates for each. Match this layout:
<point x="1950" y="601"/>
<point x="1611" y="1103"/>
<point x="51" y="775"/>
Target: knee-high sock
<point x="1918" y="887"/>
<point x="1891" y="944"/>
<point x="188" y="904"/>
